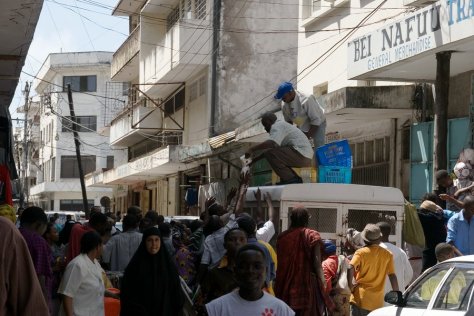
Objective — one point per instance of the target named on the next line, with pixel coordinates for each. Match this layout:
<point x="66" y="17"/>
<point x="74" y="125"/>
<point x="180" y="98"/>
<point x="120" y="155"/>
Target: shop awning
<point x="406" y="49"/>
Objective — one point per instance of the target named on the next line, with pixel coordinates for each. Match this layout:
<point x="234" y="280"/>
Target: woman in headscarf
<point x="151" y="284"/>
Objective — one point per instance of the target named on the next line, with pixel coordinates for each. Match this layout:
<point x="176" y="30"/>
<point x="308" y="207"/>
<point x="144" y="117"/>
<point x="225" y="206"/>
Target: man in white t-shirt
<point x="403" y="269"/>
<point x="286" y="147"/>
<point x="304" y="111"/>
<point x="249" y="299"/>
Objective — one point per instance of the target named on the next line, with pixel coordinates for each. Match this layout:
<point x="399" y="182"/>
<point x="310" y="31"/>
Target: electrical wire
<point x="320" y="59"/>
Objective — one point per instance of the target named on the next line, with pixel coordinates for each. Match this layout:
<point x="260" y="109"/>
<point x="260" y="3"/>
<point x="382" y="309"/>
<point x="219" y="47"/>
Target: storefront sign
<point x="417" y="33"/>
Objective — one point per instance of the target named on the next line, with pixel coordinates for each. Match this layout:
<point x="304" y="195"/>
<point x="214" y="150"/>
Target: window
<point x="406" y="143"/>
<point x="53" y="169"/>
<point x="70" y="169"/>
<point x="175" y="103"/>
<point x="125" y="88"/>
<point x="187" y="9"/>
<point x="200" y="9"/>
<point x="172" y="18"/>
<point x="455" y="292"/>
<point x="80" y="83"/>
<point x="202" y="86"/>
<point x="110" y="162"/>
<point x="84" y="124"/>
<point x="371" y="160"/>
<point x="74" y="205"/>
<point x="193" y="91"/>
<point x="420" y="296"/>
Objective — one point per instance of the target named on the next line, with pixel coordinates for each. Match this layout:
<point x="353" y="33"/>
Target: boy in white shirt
<point x="249" y="299"/>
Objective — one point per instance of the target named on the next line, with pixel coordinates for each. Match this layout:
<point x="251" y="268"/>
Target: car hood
<point x="385" y="311"/>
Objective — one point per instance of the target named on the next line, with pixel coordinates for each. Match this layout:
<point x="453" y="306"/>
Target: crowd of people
<point x="221" y="264"/>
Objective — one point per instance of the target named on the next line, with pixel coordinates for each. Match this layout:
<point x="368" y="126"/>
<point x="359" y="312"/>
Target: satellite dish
<point x="105" y="201"/>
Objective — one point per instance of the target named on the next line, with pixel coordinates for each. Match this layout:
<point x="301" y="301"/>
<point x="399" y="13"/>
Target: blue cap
<point x="329" y="247"/>
<point x="284" y="88"/>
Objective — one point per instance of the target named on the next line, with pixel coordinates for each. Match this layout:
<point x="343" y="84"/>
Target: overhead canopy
<point x="18" y="19"/>
<point x="406" y="49"/>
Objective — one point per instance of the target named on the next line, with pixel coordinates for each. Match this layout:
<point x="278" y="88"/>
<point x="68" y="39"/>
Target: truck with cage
<point x="334" y="208"/>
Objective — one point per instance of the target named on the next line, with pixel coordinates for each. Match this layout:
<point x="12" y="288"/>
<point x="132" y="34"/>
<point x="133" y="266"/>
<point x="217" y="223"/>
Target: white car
<point x="445" y="289"/>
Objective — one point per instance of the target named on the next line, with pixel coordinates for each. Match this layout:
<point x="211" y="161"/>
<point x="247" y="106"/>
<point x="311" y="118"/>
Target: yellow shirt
<point x="371" y="265"/>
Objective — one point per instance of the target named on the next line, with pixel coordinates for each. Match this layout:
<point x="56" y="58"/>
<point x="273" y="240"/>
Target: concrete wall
<point x="197" y="111"/>
<point x="329" y="25"/>
<point x="253" y="58"/>
<point x="460" y="94"/>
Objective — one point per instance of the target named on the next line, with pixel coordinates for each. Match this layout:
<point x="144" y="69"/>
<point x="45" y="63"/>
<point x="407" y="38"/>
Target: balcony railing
<point x="126" y="51"/>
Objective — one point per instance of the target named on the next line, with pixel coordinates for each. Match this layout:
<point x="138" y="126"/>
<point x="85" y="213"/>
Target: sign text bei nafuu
<point x="417" y="33"/>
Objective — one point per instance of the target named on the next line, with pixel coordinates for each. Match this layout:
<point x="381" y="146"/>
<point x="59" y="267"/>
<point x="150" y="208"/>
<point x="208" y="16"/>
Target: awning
<point x="158" y="164"/>
<point x="62" y="186"/>
<point x="405" y="50"/>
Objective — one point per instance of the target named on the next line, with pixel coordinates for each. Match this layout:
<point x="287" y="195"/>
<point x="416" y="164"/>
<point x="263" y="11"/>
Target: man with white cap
<point x="369" y="266"/>
<point x="304" y="111"/>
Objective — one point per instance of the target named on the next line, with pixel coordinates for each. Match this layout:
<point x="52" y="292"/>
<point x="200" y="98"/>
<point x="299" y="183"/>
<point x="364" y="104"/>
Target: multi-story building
<point x="28" y="162"/>
<point x="58" y="184"/>
<point x="197" y="69"/>
<point x="433" y="44"/>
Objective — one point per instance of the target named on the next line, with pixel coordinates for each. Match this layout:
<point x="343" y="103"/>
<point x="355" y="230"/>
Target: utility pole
<point x="443" y="68"/>
<point x="24" y="173"/>
<point x="78" y="151"/>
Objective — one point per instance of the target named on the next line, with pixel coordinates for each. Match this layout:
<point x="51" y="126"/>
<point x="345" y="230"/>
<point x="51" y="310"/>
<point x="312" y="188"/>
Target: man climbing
<point x="286" y="147"/>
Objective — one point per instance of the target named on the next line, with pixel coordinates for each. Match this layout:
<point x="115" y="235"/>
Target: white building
<point x="32" y="115"/>
<point x="196" y="71"/>
<point x="432" y="44"/>
<point x="58" y="184"/>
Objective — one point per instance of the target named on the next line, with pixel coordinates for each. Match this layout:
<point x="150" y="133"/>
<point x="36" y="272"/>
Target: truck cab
<point x="333" y="208"/>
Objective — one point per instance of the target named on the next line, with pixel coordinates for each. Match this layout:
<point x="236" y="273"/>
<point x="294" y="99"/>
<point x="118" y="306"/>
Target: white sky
<point x="61" y="28"/>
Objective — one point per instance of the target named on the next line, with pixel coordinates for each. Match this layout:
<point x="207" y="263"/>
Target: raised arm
<point x="260" y="213"/>
<point x="451" y="199"/>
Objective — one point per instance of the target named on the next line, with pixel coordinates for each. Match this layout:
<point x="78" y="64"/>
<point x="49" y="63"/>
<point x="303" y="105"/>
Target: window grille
<point x="359" y="218"/>
<point x="202" y="86"/>
<point x="371" y="162"/>
<point x="200" y="9"/>
<point x="172" y="18"/>
<point x="324" y="220"/>
<point x="193" y="91"/>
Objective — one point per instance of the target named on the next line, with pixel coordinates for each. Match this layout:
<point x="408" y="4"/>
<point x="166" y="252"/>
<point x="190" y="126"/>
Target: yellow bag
<point x="6" y="210"/>
<point x="412" y="229"/>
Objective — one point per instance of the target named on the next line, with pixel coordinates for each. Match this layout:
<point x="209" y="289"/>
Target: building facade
<point x="196" y="70"/>
<point x="433" y="45"/>
<point x="57" y="182"/>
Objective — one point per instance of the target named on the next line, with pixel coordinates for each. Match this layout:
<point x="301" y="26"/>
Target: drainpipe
<point x="216" y="24"/>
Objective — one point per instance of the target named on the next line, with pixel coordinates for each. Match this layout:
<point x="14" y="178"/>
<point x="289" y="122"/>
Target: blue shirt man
<point x="461" y="228"/>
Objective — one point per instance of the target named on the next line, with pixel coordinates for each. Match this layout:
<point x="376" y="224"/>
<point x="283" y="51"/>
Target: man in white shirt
<point x="304" y="111"/>
<point x="403" y="269"/>
<point x="286" y="147"/>
<point x="249" y="299"/>
<point x="120" y="248"/>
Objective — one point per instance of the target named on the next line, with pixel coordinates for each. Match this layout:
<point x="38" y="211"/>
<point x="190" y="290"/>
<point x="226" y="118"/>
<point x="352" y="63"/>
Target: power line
<point x="321" y="58"/>
<point x="184" y="24"/>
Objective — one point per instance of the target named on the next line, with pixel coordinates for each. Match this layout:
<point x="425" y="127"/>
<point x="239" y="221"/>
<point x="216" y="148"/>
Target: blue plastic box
<point x="334" y="174"/>
<point x="335" y="154"/>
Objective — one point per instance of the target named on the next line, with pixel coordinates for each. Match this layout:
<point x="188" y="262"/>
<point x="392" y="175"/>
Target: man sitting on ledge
<point x="286" y="147"/>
